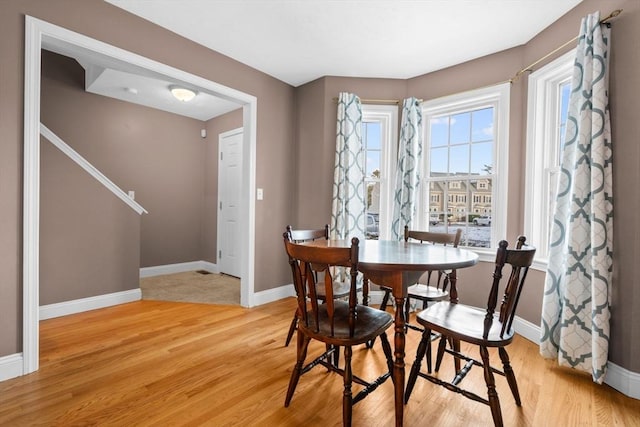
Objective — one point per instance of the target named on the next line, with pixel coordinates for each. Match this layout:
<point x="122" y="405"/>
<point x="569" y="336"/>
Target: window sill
<point x="484" y="254"/>
<point x="489" y="255"/>
<point x="539" y="264"/>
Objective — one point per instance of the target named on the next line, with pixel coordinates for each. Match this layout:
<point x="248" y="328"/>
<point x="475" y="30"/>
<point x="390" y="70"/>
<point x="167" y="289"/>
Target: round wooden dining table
<point x="398" y="265"/>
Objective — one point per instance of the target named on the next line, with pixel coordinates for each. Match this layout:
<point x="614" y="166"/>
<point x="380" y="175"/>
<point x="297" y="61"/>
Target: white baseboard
<point x="625" y="381"/>
<point x="209" y="266"/>
<point x="527" y="329"/>
<point x="159" y="270"/>
<point x="375" y="297"/>
<point x="85" y="304"/>
<point x="275" y="294"/>
<point x="286" y="291"/>
<point x="11" y="366"/>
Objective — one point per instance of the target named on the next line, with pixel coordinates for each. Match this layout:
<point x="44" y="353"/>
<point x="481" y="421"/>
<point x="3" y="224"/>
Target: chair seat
<point x="370" y="323"/>
<point x="463" y="322"/>
<point x="426" y="292"/>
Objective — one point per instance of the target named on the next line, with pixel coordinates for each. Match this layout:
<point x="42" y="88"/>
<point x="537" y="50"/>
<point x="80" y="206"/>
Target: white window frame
<point x="497" y="96"/>
<point x="387" y="116"/>
<point x="542" y="147"/>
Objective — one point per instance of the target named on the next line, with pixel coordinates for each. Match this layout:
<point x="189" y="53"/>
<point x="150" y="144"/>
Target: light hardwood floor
<point x="153" y="363"/>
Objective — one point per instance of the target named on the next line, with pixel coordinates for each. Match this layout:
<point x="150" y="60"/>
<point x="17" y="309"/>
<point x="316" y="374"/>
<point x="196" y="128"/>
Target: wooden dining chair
<point x="340" y="289"/>
<point x="299" y="236"/>
<point x="433" y="285"/>
<point x="485" y="328"/>
<point x="336" y="323"/>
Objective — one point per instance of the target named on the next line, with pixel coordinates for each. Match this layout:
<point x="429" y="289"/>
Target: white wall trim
<point x="387" y="117"/>
<point x="375" y="297"/>
<point x="285" y="291"/>
<point x="65" y="308"/>
<point x="498" y="97"/>
<point x="541" y="148"/>
<point x="90" y="169"/>
<point x="11" y="366"/>
<point x="527" y="329"/>
<point x="159" y="270"/>
<point x="40" y="33"/>
<point x="248" y="213"/>
<point x="623" y="380"/>
<point x="208" y="266"/>
<point x="31" y="198"/>
<point x="275" y="294"/>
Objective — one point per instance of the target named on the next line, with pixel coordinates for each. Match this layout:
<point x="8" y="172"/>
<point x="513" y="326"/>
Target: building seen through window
<point x="460" y="174"/>
<point x="379" y="140"/>
<point x="465" y="144"/>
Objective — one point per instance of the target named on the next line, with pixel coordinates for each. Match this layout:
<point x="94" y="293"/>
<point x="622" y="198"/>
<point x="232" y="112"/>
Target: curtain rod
<point x="513" y="79"/>
<point x="529" y="68"/>
<point x="378" y="101"/>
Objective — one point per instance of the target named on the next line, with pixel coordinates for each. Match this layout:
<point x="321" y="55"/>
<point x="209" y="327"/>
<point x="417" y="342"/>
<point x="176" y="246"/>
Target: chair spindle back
<point x="299" y="236"/>
<point x="305" y="260"/>
<point x="520" y="260"/>
<point x="445" y="239"/>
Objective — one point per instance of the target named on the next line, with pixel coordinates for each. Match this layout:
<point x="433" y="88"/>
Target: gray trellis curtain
<point x="408" y="170"/>
<point x="348" y="204"/>
<point x="577" y="297"/>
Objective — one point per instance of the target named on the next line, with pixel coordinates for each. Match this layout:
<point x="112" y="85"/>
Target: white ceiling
<point x="152" y="92"/>
<point x="117" y="79"/>
<point x="298" y="41"/>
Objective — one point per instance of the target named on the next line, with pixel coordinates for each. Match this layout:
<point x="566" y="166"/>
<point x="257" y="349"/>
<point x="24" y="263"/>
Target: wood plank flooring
<point x="153" y="363"/>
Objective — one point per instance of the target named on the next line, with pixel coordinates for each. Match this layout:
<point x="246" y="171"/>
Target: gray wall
<point x="89" y="239"/>
<point x="161" y="156"/>
<point x="104" y="22"/>
<point x="316" y="135"/>
<point x="625" y="105"/>
<point x="316" y="145"/>
<point x="299" y="125"/>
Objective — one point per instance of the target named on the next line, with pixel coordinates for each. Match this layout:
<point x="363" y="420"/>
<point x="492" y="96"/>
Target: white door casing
<point x="39" y="34"/>
<point x="229" y="201"/>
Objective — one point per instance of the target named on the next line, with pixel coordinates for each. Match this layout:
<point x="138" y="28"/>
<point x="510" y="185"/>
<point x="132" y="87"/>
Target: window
<point x="379" y="130"/>
<point x="466" y="146"/>
<point x="548" y="101"/>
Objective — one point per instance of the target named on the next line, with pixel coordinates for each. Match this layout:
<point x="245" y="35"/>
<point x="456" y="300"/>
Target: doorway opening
<point x="40" y="34"/>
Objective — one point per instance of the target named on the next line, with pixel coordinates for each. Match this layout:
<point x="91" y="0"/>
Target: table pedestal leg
<point x="398" y="365"/>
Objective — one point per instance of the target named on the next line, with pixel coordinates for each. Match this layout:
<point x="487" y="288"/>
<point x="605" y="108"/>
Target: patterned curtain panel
<point x="575" y="310"/>
<point x="348" y="205"/>
<point x="408" y="170"/>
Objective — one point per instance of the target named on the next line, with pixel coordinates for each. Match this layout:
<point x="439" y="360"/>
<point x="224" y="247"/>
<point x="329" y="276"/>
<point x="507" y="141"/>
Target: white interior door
<point x="229" y="190"/>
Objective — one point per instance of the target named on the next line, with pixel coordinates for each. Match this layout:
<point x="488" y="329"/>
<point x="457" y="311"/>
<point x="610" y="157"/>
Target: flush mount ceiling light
<point x="182" y="94"/>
